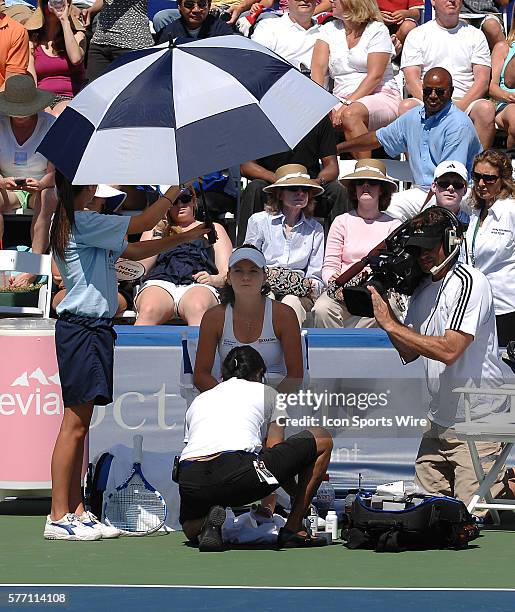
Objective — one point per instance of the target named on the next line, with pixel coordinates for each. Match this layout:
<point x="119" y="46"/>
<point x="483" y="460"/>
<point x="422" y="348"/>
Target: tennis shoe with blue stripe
<point x="69" y="528"/>
<point x="106" y="531"/>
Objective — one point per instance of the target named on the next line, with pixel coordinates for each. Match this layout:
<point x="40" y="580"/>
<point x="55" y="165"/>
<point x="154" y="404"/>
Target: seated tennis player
<point x="236" y="454"/>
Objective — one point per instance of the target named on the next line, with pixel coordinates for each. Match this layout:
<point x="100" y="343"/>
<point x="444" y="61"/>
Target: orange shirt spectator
<point x="14" y="48"/>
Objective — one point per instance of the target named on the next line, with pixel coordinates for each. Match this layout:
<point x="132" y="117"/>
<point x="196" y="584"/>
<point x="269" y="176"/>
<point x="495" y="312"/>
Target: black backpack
<point x="436" y="522"/>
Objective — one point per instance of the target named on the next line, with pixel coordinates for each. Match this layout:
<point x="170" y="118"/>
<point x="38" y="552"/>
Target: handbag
<point x="335" y="290"/>
<point x="284" y="281"/>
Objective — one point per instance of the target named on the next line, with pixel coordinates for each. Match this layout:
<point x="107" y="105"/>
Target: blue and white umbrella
<point x="168" y="114"/>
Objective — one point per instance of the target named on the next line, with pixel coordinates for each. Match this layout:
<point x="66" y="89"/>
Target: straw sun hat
<point x="368" y="169"/>
<point x="293" y="175"/>
<point x="37" y="19"/>
<point x="21" y="97"/>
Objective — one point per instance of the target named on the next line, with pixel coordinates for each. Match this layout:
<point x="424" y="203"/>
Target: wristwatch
<point x="322" y="182"/>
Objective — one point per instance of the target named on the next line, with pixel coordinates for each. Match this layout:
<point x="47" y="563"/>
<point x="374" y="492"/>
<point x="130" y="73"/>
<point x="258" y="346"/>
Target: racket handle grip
<point x="137" y="448"/>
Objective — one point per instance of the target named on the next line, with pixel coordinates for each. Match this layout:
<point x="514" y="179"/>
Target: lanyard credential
<point x="476" y="230"/>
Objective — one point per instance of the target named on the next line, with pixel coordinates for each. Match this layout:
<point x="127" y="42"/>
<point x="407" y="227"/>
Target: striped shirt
<point x="461" y="301"/>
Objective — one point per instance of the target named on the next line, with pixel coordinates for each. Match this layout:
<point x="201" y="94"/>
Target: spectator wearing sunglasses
<point x="463" y="51"/>
<point x="353" y="235"/>
<point x="182" y="282"/>
<point x="288" y="236"/>
<point x="430" y="134"/>
<point x="449" y="187"/>
<point x="490" y="243"/>
<point x="195" y="22"/>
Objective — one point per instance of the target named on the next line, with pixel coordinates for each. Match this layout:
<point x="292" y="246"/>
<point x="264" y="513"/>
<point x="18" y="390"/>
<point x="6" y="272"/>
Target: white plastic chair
<point x="15" y="261"/>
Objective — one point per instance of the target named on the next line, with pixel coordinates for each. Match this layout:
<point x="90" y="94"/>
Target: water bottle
<point x="325" y="496"/>
<point x="57" y="5"/>
<point x="312" y="522"/>
<point x="331" y="524"/>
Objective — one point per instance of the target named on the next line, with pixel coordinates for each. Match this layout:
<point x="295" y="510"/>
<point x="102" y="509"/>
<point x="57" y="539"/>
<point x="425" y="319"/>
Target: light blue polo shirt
<point x="88" y="271"/>
<point x="449" y="134"/>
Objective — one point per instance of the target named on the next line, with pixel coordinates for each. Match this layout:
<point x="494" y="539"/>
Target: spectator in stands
<point x="228" y="427"/>
<point x="183" y="282"/>
<point x="279" y="7"/>
<point x="289" y="238"/>
<point x="14" y="48"/>
<point x="19" y="10"/>
<point x="317" y="152"/>
<point x="58" y="45"/>
<point x="355" y="50"/>
<point x="195" y="22"/>
<point x="247" y="316"/>
<point x="502" y="85"/>
<point x="485" y="14"/>
<point x="27" y="178"/>
<point x="429" y="134"/>
<point x="449" y="187"/>
<point x="122" y="26"/>
<point x="353" y="235"/>
<point x="401" y="16"/>
<point x="463" y="51"/>
<point x="490" y="245"/>
<point x="293" y="36"/>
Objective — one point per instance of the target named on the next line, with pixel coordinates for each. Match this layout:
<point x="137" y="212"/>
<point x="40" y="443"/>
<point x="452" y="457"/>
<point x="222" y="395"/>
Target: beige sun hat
<point x="369" y="169"/>
<point x="293" y="175"/>
<point x="37" y="19"/>
<point x="21" y="97"/>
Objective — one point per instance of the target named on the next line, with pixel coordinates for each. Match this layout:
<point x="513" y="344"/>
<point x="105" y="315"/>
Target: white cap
<point x="450" y="166"/>
<point x="115" y="196"/>
<point x="253" y="255"/>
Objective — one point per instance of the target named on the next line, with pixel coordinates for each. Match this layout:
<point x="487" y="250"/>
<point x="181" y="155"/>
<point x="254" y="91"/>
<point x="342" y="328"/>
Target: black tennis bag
<point x="436" y="522"/>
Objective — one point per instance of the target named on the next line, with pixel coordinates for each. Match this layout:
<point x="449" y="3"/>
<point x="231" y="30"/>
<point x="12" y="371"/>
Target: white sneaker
<point x="69" y="528"/>
<point x="90" y="520"/>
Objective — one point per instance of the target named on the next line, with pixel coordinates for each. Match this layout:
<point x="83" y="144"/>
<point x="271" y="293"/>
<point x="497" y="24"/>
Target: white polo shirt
<point x="288" y="39"/>
<point x="234" y="415"/>
<point x="461" y="301"/>
<point x="455" y="49"/>
<point x="491" y="249"/>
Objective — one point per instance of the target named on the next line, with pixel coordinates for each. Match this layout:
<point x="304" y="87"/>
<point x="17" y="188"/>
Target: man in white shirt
<point x="293" y="35"/>
<point x="463" y="51"/>
<point x="451" y="324"/>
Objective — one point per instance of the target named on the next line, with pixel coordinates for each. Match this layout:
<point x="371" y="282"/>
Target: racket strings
<point x="135" y="508"/>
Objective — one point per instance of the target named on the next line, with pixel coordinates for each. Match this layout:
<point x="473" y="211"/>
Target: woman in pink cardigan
<point x="353" y="235"/>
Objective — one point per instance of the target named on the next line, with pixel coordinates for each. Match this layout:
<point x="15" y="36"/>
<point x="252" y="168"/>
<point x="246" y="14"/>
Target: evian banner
<point x="31" y="407"/>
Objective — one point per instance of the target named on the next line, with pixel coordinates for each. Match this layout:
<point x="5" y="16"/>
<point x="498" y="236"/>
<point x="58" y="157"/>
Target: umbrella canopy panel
<point x="167" y="115"/>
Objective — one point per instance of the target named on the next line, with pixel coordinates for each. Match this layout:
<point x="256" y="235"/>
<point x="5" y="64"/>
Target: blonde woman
<point x="184" y="281"/>
<point x="356" y="50"/>
<point x="502" y="85"/>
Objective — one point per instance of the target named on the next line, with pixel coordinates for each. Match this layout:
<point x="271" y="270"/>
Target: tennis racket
<point x="135" y="507"/>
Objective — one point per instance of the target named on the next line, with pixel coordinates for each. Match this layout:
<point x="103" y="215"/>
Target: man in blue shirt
<point x="195" y="22"/>
<point x="431" y="134"/>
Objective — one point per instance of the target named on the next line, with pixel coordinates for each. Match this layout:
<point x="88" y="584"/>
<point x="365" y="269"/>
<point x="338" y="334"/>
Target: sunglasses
<point x="297" y="188"/>
<point x="446" y="183"/>
<point x="439" y="91"/>
<point x="487" y="178"/>
<point x="184" y="198"/>
<point x="361" y="182"/>
<point x="190" y="4"/>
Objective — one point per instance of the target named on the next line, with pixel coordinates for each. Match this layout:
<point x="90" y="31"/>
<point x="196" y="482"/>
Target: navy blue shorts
<point x="85" y="351"/>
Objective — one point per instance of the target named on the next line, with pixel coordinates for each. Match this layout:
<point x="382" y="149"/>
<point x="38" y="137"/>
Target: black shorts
<point x="85" y="351"/>
<point x="231" y="480"/>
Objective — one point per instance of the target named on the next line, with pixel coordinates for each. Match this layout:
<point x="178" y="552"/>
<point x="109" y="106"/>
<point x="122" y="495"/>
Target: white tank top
<point x="268" y="345"/>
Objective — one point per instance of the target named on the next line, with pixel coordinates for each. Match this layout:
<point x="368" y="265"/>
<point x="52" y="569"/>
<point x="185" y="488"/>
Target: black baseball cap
<point x="428" y="236"/>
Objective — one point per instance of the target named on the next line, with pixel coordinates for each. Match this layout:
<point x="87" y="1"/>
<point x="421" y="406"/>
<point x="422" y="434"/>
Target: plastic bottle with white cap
<point x="331" y="524"/>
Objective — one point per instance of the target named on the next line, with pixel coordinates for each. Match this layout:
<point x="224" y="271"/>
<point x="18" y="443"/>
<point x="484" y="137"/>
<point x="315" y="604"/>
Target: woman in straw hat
<point x="57" y="45"/>
<point x="353" y="235"/>
<point x="26" y="177"/>
<point x="288" y="236"/>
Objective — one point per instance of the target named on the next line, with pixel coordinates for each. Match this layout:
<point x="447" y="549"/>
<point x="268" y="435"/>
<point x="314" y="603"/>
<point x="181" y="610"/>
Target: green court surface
<point x="25" y="557"/>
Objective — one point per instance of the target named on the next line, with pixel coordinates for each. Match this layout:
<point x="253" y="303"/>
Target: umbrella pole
<point x="206" y="217"/>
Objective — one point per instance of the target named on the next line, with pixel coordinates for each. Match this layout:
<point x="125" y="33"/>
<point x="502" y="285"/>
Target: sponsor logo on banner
<point x="32" y="393"/>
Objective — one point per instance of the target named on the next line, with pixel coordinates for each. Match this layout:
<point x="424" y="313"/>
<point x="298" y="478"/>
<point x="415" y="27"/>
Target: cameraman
<point x="451" y="324"/>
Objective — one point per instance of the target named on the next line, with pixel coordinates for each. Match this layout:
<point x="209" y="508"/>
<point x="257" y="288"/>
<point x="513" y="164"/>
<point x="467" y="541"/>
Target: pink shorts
<point x="383" y="108"/>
